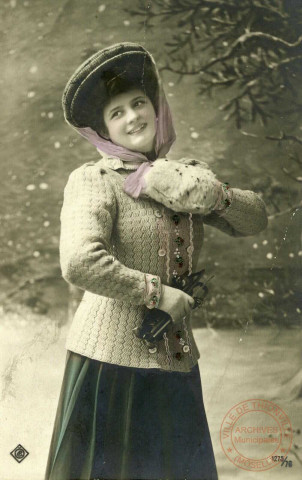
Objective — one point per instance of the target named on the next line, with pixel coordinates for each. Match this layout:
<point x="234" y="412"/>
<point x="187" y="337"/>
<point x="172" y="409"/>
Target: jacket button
<point x="158" y="213"/>
<point x="153" y="350"/>
<point x="186" y="348"/>
<point x="161" y="252"/>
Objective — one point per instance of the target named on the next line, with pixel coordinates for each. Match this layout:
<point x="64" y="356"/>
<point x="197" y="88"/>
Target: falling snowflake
<point x="30" y="187"/>
<point x="29" y="219"/>
<point x="291" y="255"/>
<point x="46" y="223"/>
<point x="43" y="114"/>
<point x="269" y="255"/>
<point x="43" y="186"/>
<point x="171" y="84"/>
<point x="170" y="94"/>
<point x="265" y="242"/>
<point x="255" y="245"/>
<point x="102" y="8"/>
<point x="298" y="310"/>
<point x="33" y="69"/>
<point x="11" y="52"/>
<point x="10" y="243"/>
<point x="194" y="135"/>
<point x="31" y="94"/>
<point x="57" y="144"/>
<point x="50" y="115"/>
<point x="41" y="24"/>
<point x="126" y="23"/>
<point x="36" y="254"/>
<point x="25" y="132"/>
<point x="300" y="253"/>
<point x="261" y="294"/>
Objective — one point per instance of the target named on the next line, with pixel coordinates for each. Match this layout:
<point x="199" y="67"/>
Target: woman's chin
<point x="142" y="146"/>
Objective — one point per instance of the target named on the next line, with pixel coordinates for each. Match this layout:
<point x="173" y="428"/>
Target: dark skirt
<point x="123" y="423"/>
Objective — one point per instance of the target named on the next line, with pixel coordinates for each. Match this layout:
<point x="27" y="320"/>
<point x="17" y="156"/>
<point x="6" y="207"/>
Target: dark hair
<point x="111" y="84"/>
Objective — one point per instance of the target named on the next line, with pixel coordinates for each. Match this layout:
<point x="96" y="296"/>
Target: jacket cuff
<point x="224" y="198"/>
<point x="152" y="290"/>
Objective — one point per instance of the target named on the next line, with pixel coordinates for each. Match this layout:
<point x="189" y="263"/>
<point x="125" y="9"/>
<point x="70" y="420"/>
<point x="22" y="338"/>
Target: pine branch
<point x="244" y="38"/>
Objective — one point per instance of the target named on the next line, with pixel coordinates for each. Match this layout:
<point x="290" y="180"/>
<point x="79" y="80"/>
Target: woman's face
<point x="131" y="121"/>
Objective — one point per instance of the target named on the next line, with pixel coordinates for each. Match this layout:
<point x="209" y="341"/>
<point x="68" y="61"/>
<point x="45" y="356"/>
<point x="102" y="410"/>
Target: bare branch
<point x="290" y="175"/>
<point x="285" y="137"/>
<point x="179" y="72"/>
<point x="285" y="212"/>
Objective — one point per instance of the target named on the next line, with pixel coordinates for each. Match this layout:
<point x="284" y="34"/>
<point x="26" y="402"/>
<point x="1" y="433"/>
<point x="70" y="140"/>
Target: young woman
<point x="127" y="411"/>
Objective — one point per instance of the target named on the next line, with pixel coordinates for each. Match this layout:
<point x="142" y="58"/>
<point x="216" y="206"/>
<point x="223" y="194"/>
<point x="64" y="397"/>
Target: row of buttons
<point x="185" y="349"/>
<point x="162" y="252"/>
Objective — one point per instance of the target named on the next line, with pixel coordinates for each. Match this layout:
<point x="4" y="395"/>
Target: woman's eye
<point x="138" y="103"/>
<point x="116" y="114"/>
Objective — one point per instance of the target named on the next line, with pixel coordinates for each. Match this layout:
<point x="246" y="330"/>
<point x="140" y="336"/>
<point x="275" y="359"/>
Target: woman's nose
<point x="131" y="115"/>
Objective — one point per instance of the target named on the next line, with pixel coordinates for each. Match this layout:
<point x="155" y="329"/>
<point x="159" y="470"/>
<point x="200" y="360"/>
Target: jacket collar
<point x="116" y="163"/>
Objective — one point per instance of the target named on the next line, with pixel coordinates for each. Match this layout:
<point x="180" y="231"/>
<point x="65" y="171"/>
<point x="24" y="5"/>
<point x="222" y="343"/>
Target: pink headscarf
<point x="165" y="137"/>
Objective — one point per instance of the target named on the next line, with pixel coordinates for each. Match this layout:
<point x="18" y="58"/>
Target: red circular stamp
<point x="256" y="435"/>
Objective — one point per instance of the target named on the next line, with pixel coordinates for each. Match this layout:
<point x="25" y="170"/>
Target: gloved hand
<point x="175" y="302"/>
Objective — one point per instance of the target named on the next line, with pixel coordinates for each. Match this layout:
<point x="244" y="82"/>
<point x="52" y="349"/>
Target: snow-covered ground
<point x="235" y="366"/>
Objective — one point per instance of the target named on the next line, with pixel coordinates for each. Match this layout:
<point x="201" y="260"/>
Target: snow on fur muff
<point x="185" y="185"/>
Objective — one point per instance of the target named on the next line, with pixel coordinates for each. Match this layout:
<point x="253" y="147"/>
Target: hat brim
<point x="128" y="60"/>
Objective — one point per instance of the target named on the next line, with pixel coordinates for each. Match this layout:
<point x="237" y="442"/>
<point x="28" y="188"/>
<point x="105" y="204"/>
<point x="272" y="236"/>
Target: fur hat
<point x="88" y="88"/>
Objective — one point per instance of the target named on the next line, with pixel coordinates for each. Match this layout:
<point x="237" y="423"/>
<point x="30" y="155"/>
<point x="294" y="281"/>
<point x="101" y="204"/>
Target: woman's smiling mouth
<point x="137" y="129"/>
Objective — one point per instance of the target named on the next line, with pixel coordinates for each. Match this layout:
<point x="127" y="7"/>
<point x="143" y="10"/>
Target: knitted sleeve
<point x="245" y="216"/>
<point x="87" y="218"/>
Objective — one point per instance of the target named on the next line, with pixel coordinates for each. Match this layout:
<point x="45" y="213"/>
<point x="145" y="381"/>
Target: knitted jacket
<point x="109" y="241"/>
